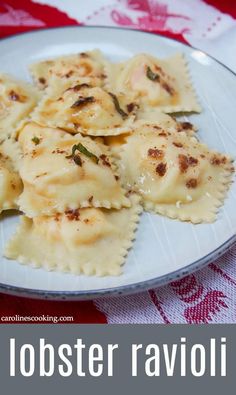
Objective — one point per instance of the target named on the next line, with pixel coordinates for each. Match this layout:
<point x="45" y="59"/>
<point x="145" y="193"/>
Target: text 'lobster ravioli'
<point x="17" y="99"/>
<point x="90" y="241"/>
<point x="66" y="173"/>
<point x="10" y="182"/>
<point x="86" y="64"/>
<point x="175" y="174"/>
<point x="157" y="83"/>
<point x="83" y="108"/>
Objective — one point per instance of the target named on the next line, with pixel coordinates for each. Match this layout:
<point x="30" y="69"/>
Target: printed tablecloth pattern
<point x="208" y="296"/>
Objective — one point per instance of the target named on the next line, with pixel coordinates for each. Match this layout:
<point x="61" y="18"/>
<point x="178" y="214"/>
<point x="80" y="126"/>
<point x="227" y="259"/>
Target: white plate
<point x="164" y="249"/>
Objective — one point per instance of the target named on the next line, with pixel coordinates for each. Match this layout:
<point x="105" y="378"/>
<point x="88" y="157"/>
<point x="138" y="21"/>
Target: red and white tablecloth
<point x="208" y="296"/>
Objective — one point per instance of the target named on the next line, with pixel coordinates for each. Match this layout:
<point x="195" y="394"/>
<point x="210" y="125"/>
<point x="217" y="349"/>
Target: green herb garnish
<point x="151" y="75"/>
<point x="87" y="153"/>
<point x="117" y="106"/>
<point x="36" y="140"/>
<point x="81" y="148"/>
<point x="76" y="158"/>
<point x="83" y="100"/>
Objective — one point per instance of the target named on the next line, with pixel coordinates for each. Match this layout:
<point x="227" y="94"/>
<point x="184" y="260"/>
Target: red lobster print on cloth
<point x="149" y="17"/>
<point x="208" y="296"/>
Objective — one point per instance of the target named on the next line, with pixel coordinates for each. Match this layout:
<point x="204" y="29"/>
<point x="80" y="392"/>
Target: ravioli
<point x="89" y="147"/>
<point x="161" y="122"/>
<point x="10" y="182"/>
<point x="66" y="172"/>
<point x="83" y="108"/>
<point x="175" y="174"/>
<point x="155" y="83"/>
<point x="91" y="241"/>
<point x="17" y="99"/>
<point x="85" y="64"/>
<point x="165" y="121"/>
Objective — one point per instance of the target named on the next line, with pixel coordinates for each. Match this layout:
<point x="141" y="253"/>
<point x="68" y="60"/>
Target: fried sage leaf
<point x="36" y="140"/>
<point x="81" y="148"/>
<point x="117" y="106"/>
<point x="151" y="75"/>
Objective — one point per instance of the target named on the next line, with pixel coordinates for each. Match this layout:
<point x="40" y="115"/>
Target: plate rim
<point x="121" y="290"/>
<point x="140" y="286"/>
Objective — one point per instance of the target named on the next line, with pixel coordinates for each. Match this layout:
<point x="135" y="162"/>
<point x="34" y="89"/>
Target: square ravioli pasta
<point x="175" y="174"/>
<point x="157" y="83"/>
<point x="80" y="107"/>
<point x="64" y="172"/>
<point x="161" y="122"/>
<point x="90" y="241"/>
<point x="10" y="182"/>
<point x="17" y="99"/>
<point x="85" y="64"/>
